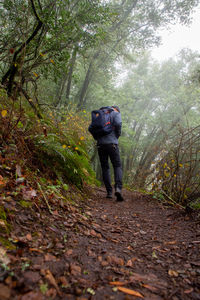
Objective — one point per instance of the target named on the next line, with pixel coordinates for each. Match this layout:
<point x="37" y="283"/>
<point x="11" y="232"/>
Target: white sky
<point x="178" y="38"/>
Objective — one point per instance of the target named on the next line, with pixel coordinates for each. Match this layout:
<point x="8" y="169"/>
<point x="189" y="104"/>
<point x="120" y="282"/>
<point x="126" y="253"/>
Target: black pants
<point x="105" y="151"/>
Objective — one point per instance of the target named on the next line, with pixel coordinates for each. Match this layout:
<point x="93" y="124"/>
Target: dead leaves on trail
<point x="119" y="285"/>
<point x="52" y="281"/>
<point x="97" y="252"/>
<point x="173" y="273"/>
<point x="130" y="292"/>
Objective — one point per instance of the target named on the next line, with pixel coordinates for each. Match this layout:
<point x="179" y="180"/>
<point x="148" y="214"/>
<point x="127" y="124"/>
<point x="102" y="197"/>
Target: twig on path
<point x="172" y="201"/>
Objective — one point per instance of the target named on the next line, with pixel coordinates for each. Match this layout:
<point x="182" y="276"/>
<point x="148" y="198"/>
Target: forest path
<point x="141" y="245"/>
<point x="108" y="251"/>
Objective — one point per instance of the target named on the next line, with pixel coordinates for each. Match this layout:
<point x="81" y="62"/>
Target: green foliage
<point x="25" y="204"/>
<point x="63" y="54"/>
<point x="158" y="101"/>
<point x="196" y="204"/>
<point x="64" y="149"/>
<point x="43" y="288"/>
<point x="7" y="244"/>
<point x="39" y="36"/>
<point x="2" y="213"/>
<point x="58" y="143"/>
<point x="72" y="164"/>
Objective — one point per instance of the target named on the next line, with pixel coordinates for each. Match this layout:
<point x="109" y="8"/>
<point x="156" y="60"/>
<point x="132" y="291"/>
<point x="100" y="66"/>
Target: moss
<point x="2" y="213"/>
<point x="35" y="234"/>
<point x="7" y="244"/>
<point x="4" y="226"/>
<point x="25" y="204"/>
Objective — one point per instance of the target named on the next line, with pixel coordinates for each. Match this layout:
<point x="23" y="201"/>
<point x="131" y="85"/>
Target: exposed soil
<point x="103" y="249"/>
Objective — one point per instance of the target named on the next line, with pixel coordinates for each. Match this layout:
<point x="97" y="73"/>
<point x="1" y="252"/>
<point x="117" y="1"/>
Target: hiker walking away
<point x="107" y="134"/>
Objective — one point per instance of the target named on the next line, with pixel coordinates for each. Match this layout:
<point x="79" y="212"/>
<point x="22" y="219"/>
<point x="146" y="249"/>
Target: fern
<point x="73" y="165"/>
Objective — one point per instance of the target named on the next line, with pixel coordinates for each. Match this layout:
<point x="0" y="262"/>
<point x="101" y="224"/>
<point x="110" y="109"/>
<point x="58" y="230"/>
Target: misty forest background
<point x="61" y="59"/>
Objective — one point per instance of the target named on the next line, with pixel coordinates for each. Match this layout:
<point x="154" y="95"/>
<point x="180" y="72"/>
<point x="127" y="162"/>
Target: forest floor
<point x="102" y="249"/>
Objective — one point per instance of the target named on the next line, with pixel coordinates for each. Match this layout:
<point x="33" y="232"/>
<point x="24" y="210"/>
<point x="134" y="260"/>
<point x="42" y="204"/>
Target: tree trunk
<point x="71" y="69"/>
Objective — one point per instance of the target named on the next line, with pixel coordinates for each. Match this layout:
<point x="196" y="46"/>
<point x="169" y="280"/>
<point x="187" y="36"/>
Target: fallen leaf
<point x="1" y="180"/>
<point x="129" y="263"/>
<point x="150" y="287"/>
<point x="114" y="241"/>
<point x="55" y="212"/>
<point x="90" y="253"/>
<point x="36" y="250"/>
<point x="93" y="233"/>
<point x="75" y="269"/>
<point x="49" y="257"/>
<point x="154" y="255"/>
<point x="52" y="280"/>
<point x="29" y="237"/>
<point x="3" y="256"/>
<point x="64" y="281"/>
<point x="118" y="283"/>
<point x="130" y="248"/>
<point x="68" y="252"/>
<point x="104" y="263"/>
<point x="9" y="282"/>
<point x="115" y="260"/>
<point x="91" y="291"/>
<point x="189" y="291"/>
<point x="2" y="224"/>
<point x="29" y="194"/>
<point x="143" y="232"/>
<point x="130" y="292"/>
<point x="170" y="243"/>
<point x="173" y="273"/>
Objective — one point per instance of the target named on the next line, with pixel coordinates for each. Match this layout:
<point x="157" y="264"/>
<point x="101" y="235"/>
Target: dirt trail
<point x="105" y="250"/>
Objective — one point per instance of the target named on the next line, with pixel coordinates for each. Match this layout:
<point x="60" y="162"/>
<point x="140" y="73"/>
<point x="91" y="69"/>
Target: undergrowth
<point x="58" y="144"/>
<point x="44" y="162"/>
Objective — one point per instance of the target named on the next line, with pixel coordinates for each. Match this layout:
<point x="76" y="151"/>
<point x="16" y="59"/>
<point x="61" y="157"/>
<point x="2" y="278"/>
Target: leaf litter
<point x="99" y="249"/>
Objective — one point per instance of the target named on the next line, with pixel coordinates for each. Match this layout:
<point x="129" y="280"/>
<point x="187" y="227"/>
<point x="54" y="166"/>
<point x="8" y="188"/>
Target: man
<point x="108" y="147"/>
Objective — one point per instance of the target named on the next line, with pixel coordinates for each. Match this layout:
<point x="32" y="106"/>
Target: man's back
<point x="112" y="138"/>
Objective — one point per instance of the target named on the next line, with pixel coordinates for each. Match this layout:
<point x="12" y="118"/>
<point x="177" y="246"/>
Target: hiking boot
<point x="109" y="195"/>
<point x="118" y="195"/>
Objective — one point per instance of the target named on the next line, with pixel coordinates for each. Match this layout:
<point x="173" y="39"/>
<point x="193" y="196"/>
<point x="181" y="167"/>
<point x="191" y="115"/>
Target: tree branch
<point x="31" y="103"/>
<point x="34" y="10"/>
<point x="14" y="67"/>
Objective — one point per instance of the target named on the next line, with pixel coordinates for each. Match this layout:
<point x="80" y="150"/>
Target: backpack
<point x="101" y="122"/>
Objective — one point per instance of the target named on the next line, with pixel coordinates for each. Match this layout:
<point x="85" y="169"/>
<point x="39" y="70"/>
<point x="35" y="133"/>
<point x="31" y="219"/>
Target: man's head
<point x="116" y="108"/>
